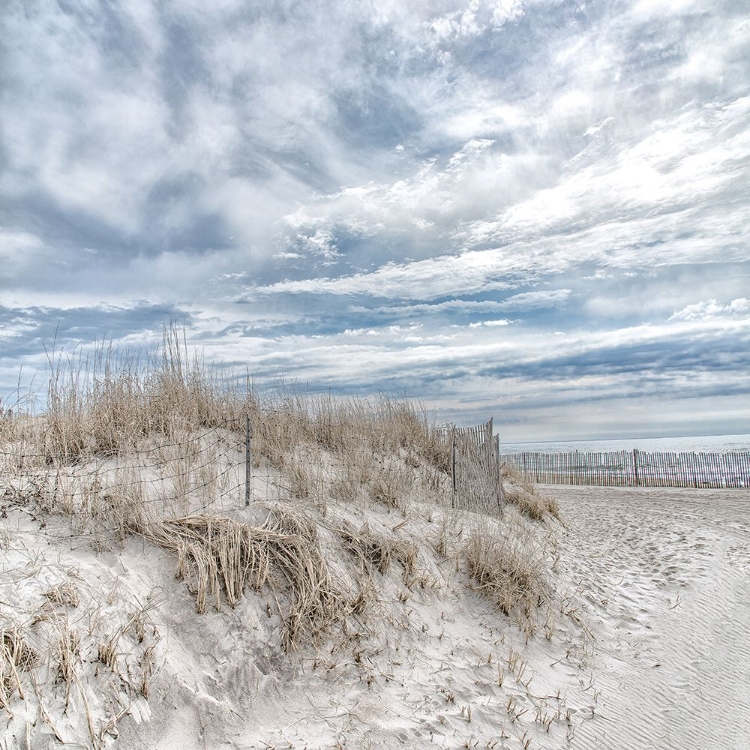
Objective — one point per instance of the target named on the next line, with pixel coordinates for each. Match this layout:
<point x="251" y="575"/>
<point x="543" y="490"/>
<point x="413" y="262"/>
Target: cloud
<point x="476" y="19"/>
<point x="713" y="309"/>
<point x="594" y="129"/>
<point x="544" y="201"/>
<point x="490" y="323"/>
<point x="522" y="302"/>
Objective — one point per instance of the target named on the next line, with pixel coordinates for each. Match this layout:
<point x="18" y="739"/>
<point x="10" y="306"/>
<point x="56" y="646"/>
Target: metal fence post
<point x="248" y="460"/>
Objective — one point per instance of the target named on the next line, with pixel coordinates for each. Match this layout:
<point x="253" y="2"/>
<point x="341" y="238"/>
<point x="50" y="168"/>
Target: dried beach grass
<point x="379" y="449"/>
<point x="16" y="657"/>
<point x="108" y="401"/>
<point x="64" y="594"/>
<point x="68" y="656"/>
<point x="526" y="496"/>
<point x="392" y="483"/>
<point x="223" y="556"/>
<point x="344" y="428"/>
<point x="507" y="563"/>
<point x="375" y="551"/>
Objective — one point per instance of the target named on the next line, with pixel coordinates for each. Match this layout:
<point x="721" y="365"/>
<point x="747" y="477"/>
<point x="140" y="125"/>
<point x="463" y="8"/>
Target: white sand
<point x="649" y="643"/>
<point x="666" y="573"/>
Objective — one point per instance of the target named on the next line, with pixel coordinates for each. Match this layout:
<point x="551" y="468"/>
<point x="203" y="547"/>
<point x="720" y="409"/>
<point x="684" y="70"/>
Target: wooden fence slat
<point x="629" y="468"/>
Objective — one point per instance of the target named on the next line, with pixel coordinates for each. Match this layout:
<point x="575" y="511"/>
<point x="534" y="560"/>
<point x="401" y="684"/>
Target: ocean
<point x="697" y="443"/>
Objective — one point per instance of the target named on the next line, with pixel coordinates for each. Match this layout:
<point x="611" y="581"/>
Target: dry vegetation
<point x="525" y="495"/>
<point x="500" y="561"/>
<point x="153" y="447"/>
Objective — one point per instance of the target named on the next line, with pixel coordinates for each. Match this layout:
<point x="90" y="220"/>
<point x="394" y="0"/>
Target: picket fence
<point x="635" y="468"/>
<point x="475" y="467"/>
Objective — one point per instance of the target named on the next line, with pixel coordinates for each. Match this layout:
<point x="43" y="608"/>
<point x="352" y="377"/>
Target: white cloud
<point x="490" y="323"/>
<point x="476" y="19"/>
<point x="708" y="309"/>
<point x="574" y="163"/>
<point x="506" y="10"/>
<point x="649" y="9"/>
<point x="523" y="302"/>
<point x="17" y="246"/>
<point x="322" y="244"/>
<point x="594" y="129"/>
<point x="536" y="300"/>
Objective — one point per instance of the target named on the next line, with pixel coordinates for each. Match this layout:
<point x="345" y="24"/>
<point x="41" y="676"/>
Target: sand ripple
<point x="665" y="576"/>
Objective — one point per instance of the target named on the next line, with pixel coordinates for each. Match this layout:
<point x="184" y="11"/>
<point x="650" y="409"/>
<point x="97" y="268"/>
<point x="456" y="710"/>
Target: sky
<point x="537" y="210"/>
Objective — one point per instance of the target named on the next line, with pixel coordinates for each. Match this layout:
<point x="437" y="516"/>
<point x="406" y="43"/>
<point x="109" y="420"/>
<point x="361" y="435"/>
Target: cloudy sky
<point x="537" y="210"/>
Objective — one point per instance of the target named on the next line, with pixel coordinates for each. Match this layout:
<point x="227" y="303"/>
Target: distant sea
<point x="697" y="443"/>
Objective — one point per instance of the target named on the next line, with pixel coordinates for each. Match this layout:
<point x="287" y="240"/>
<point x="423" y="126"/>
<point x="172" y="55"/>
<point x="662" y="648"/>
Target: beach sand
<point x="645" y="642"/>
<point x="666" y="574"/>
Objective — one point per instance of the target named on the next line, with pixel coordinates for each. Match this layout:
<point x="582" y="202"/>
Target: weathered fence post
<point x="635" y="466"/>
<point x="248" y="459"/>
<point x="498" y="475"/>
<point x="693" y="467"/>
<point x="453" y="466"/>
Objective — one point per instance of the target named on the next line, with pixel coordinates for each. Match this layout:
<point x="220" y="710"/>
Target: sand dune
<point x="642" y="641"/>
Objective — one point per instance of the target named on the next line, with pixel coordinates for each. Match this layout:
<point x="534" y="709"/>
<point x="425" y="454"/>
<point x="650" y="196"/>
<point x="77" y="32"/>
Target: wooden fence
<point x="475" y="467"/>
<point x="635" y="468"/>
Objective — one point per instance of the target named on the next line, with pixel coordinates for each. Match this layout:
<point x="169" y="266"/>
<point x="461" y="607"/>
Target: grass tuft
<point x="223" y="556"/>
<point x="507" y="563"/>
<point x="526" y="496"/>
<point x="16" y="657"/>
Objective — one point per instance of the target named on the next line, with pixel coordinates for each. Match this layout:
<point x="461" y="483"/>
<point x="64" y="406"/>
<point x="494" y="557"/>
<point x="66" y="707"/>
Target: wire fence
<point x="214" y="470"/>
<point x="635" y="468"/>
<point x="105" y="490"/>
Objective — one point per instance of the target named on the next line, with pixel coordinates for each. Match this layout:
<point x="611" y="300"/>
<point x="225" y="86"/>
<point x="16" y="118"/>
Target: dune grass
<point x="506" y="562"/>
<point x="16" y="657"/>
<point x="339" y="538"/>
<point x="130" y="443"/>
<point x="521" y="492"/>
<point x="223" y="557"/>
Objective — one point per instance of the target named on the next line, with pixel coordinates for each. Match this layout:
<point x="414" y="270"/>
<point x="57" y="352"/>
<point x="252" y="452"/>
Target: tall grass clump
<point x="106" y="402"/>
<point x="506" y="562"/>
<point x="111" y="400"/>
<point x="284" y="419"/>
<point x="127" y="439"/>
<point x="521" y="492"/>
<point x="222" y="556"/>
<point x="16" y="657"/>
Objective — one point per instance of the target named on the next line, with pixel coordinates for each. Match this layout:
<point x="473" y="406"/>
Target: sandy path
<point x="666" y="574"/>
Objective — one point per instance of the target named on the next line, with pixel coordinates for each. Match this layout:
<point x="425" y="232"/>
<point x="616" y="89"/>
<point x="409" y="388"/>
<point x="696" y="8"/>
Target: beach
<point x="665" y="573"/>
<point x="639" y="640"/>
<point x="649" y="647"/>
